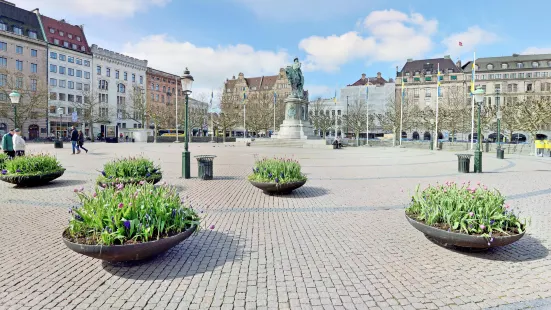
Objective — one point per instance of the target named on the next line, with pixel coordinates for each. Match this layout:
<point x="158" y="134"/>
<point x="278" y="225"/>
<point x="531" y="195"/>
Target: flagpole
<point x="177" y="112"/>
<point x="437" y="95"/>
<point x="401" y="108"/>
<point x="472" y="101"/>
<point x="211" y="117"/>
<point x="367" y="113"/>
<point x="275" y="96"/>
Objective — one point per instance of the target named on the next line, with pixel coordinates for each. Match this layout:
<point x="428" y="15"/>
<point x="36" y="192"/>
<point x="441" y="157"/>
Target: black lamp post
<point x="479" y="98"/>
<point x="187" y="81"/>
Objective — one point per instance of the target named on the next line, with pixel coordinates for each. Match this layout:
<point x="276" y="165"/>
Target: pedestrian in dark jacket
<point x="7" y="144"/>
<point x="74" y="140"/>
<point x="81" y="140"/>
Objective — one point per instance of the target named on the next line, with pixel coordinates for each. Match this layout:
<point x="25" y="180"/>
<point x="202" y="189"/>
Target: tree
<point x="135" y="108"/>
<point x="533" y="113"/>
<point x="228" y="116"/>
<point x="260" y="107"/>
<point x="95" y="109"/>
<point x="33" y="103"/>
<point x="320" y="117"/>
<point x="355" y="119"/>
<point x="390" y="118"/>
<point x="457" y="113"/>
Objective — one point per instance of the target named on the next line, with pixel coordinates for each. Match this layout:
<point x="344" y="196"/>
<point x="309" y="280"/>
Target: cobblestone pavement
<point x="340" y="242"/>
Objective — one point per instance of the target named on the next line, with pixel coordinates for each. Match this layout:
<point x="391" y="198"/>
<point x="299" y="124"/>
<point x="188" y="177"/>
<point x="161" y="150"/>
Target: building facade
<point x="118" y="82"/>
<point x="69" y="74"/>
<point x="23" y="62"/>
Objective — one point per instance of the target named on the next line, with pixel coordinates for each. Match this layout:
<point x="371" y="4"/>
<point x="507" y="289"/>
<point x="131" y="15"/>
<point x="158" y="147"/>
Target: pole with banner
<point x="211" y="117"/>
<point x="436" y="118"/>
<point x="401" y="108"/>
<point x="367" y="113"/>
<point x="244" y="115"/>
<point x="472" y="101"/>
<point x="275" y="99"/>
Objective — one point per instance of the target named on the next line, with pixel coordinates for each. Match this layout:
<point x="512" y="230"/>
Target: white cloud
<point x="473" y="37"/>
<point x="315" y="91"/>
<point x="209" y="66"/>
<point x="536" y="50"/>
<point x="109" y="8"/>
<point x="393" y="36"/>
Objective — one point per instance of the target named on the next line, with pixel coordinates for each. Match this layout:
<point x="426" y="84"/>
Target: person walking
<point x="74" y="140"/>
<point x="81" y="140"/>
<point x="7" y="144"/>
<point x="18" y="143"/>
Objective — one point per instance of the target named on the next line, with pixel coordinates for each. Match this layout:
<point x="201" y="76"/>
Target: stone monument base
<point x="296" y="124"/>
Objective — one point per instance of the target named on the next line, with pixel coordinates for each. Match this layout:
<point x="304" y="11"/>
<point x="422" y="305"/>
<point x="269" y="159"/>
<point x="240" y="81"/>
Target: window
<point x="53" y="96"/>
<point x="32" y="34"/>
<point x="157" y="97"/>
<point x="34" y="83"/>
<point x="71" y="98"/>
<point x="164" y="89"/>
<point x="53" y="55"/>
<point x="98" y="70"/>
<point x="62" y="83"/>
<point x="504" y="66"/>
<point x="122" y="88"/>
<point x="521" y="75"/>
<point x="3" y="79"/>
<point x="427" y="92"/>
<point x="86" y="87"/>
<point x="529" y="75"/>
<point x="52" y="30"/>
<point x="489" y="66"/>
<point x="535" y="64"/>
<point x="520" y="65"/>
<point x="62" y="57"/>
<point x="79" y="61"/>
<point x="506" y="76"/>
<point x="74" y="46"/>
<point x="416" y="93"/>
<point x="34" y="68"/>
<point x="104" y="112"/>
<point x="513" y="75"/>
<point x="61" y="33"/>
<point x="108" y="72"/>
<point x="65" y="44"/>
<point x="126" y="76"/>
<point x="103" y="84"/>
<point x="19" y="49"/>
<point x="141" y="79"/>
<point x="79" y="73"/>
<point x="17" y="30"/>
<point x="529" y="87"/>
<point x="103" y="98"/>
<point x="19" y="82"/>
<point x="56" y="41"/>
<point x="3" y="62"/>
<point x="152" y="86"/>
<point x="416" y="79"/>
<point x="490" y="76"/>
<point x="428" y="78"/>
<point x="53" y="68"/>
<point x="497" y="88"/>
<point x="78" y="99"/>
<point x="83" y="48"/>
<point x="3" y="46"/>
<point x="538" y="74"/>
<point x="53" y="82"/>
<point x="79" y="86"/>
<point x="71" y="59"/>
<point x="156" y="87"/>
<point x="116" y="74"/>
<point x="61" y="70"/>
<point x="71" y="85"/>
<point x="78" y="38"/>
<point x="450" y="70"/>
<point x="86" y="75"/>
<point x="71" y="72"/>
<point x="498" y="76"/>
<point x="453" y="77"/>
<point x="3" y="27"/>
<point x="87" y="63"/>
<point x="133" y="77"/>
<point x="53" y="109"/>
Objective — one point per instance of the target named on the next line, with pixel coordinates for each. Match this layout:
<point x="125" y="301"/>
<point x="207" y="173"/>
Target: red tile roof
<point x="60" y="26"/>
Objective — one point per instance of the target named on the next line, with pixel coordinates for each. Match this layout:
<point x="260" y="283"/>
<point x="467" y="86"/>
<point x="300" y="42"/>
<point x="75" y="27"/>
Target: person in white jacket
<point x="18" y="143"/>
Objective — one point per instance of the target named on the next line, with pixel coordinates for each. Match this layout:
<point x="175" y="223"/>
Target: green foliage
<point x="464" y="209"/>
<point x="129" y="214"/>
<point x="277" y="170"/>
<point x="3" y="158"/>
<point x="132" y="169"/>
<point x="31" y="165"/>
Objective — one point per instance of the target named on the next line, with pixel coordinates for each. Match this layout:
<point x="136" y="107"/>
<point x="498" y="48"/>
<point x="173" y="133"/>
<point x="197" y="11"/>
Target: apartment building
<point x="23" y="61"/>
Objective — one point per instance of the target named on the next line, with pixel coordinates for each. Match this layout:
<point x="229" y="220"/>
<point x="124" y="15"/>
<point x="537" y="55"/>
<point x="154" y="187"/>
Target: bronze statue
<point x="296" y="79"/>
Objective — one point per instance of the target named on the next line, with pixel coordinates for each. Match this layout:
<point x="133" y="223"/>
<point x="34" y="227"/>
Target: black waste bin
<point x="58" y="144"/>
<point x="205" y="165"/>
<point x="500" y="153"/>
<point x="463" y="162"/>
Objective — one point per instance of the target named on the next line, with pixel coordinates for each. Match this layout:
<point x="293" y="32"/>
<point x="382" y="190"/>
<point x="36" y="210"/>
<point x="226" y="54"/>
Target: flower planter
<point x="130" y="252"/>
<point x="275" y="188"/>
<point x="447" y="238"/>
<point x="32" y="180"/>
<point x="111" y="182"/>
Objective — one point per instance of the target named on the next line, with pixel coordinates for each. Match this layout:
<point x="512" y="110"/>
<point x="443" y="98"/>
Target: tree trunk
<point x="155" y="133"/>
<point x="357" y="138"/>
<point x="394" y="138"/>
<point x="224" y="134"/>
<point x="92" y="136"/>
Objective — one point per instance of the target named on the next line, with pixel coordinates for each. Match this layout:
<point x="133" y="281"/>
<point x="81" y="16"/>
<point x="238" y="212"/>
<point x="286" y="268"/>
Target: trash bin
<point x="487" y="146"/>
<point x="58" y="144"/>
<point x="205" y="164"/>
<point x="500" y="153"/>
<point x="463" y="162"/>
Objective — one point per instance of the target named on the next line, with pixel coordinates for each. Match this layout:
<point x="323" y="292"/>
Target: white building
<point x="115" y="77"/>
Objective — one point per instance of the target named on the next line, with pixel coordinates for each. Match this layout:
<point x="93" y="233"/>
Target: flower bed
<point x="31" y="170"/>
<point x="277" y="175"/>
<point x="3" y="158"/>
<point x="131" y="170"/>
<point x="464" y="209"/>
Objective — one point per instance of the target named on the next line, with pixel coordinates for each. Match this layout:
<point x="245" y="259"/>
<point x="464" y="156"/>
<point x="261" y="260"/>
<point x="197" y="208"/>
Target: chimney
<point x="446" y="56"/>
<point x="233" y="77"/>
<point x="363" y="76"/>
<point x="410" y="59"/>
<point x="63" y="21"/>
<point x="515" y="55"/>
<point x="378" y="75"/>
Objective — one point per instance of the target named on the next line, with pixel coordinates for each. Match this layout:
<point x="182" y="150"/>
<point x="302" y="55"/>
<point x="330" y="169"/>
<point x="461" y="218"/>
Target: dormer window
<point x="83" y="48"/>
<point x="417" y="72"/>
<point x="78" y="38"/>
<point x="56" y="41"/>
<point x="61" y="33"/>
<point x="504" y="66"/>
<point x="407" y="73"/>
<point x="535" y="64"/>
<point x="428" y="72"/>
<point x="17" y="30"/>
<point x="489" y="66"/>
<point x="450" y="70"/>
<point x="70" y="36"/>
<point x="520" y="65"/>
<point x="32" y="34"/>
<point x="65" y="43"/>
<point x="3" y="27"/>
<point x="74" y="46"/>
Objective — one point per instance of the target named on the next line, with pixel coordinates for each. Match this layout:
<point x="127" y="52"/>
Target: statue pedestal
<point x="296" y="124"/>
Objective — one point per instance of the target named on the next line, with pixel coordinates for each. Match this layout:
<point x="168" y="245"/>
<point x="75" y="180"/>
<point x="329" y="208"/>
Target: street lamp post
<point x="60" y="112"/>
<point x="187" y="81"/>
<point x="15" y="97"/>
<point x="479" y="98"/>
<point x="347" y="117"/>
<point x="499" y="114"/>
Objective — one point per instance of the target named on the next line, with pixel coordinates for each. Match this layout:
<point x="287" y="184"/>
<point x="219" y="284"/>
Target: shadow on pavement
<point x="54" y="184"/>
<point x="526" y="249"/>
<point x="306" y="192"/>
<point x="202" y="252"/>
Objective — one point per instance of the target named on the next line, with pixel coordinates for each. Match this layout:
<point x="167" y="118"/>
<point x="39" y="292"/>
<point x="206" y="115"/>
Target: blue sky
<point x="336" y="41"/>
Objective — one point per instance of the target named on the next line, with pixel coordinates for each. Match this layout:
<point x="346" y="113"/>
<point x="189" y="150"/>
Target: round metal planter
<point x="281" y="189"/>
<point x="130" y="252"/>
<point x="447" y="238"/>
<point x="153" y="180"/>
<point x="32" y="180"/>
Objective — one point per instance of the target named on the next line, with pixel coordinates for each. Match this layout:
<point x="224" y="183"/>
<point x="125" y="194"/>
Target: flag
<point x="403" y="90"/>
<point x="244" y="96"/>
<point x="335" y="98"/>
<point x="472" y="78"/>
<point x="460" y="43"/>
<point x="367" y="92"/>
<point x="275" y="97"/>
<point x="211" y="96"/>
<point x="438" y="83"/>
